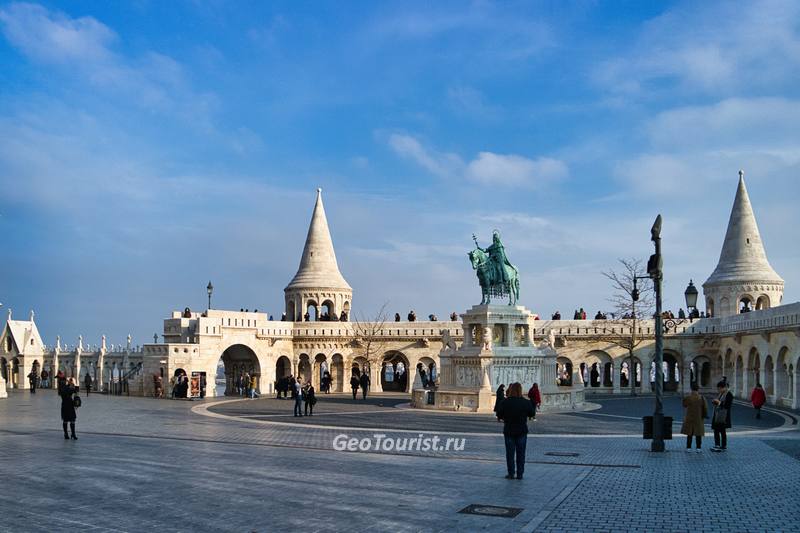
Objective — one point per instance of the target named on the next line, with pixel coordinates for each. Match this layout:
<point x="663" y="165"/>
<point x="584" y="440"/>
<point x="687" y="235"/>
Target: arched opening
<point x="304" y="369"/>
<point x="16" y="382"/>
<point x="395" y="372"/>
<point x="426" y="368"/>
<point x="600" y="369"/>
<point x="754" y="367"/>
<point x="564" y="372"/>
<point x="700" y="371"/>
<point x="769" y="376"/>
<point x="328" y="311"/>
<point x="628" y="370"/>
<point x="727" y="368"/>
<point x="311" y="311"/>
<point x="672" y="372"/>
<point x="709" y="307"/>
<point x="745" y="304"/>
<point x="782" y="377"/>
<point x="291" y="311"/>
<point x="320" y="369"/>
<point x="283" y="367"/>
<point x="762" y="302"/>
<point x="739" y="381"/>
<point x="337" y="373"/>
<point x="238" y="361"/>
<point x="4" y="369"/>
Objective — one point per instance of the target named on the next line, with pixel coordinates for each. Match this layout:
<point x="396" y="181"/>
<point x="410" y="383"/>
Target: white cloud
<point x="711" y="47"/>
<point x="487" y="168"/>
<point x="514" y="170"/>
<point x="54" y="37"/>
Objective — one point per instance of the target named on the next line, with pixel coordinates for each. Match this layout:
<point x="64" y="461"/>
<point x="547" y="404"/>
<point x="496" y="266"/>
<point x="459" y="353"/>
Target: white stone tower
<point x="743" y="279"/>
<point x="318" y="287"/>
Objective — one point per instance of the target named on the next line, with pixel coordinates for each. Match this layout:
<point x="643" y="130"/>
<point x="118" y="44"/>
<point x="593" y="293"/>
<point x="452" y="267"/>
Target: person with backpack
<point x="67" y="390"/>
<point x="721" y="420"/>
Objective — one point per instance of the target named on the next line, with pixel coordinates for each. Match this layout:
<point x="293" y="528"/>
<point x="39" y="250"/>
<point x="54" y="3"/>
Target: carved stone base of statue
<point x="497" y="349"/>
<point x="3" y="392"/>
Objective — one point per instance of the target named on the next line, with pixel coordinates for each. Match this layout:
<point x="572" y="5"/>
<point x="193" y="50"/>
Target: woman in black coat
<point x="501" y="395"/>
<point x="67" y="389"/>
<point x="723" y="401"/>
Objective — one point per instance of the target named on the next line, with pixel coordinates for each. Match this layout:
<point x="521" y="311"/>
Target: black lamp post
<point x="210" y="290"/>
<point x="655" y="270"/>
<point x="691" y="299"/>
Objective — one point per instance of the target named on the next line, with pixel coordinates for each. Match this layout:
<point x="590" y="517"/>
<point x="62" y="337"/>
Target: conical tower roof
<point x="318" y="266"/>
<point x="743" y="258"/>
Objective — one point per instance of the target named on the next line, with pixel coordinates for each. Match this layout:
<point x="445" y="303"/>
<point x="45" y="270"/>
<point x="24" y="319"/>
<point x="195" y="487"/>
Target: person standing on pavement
<point x="298" y="399"/>
<point x="67" y="390"/>
<point x="758" y="397"/>
<point x="500" y="395"/>
<point x="87" y="383"/>
<point x="514" y="412"/>
<point x="535" y="397"/>
<point x="695" y="412"/>
<point x="721" y="420"/>
<point x="354" y="385"/>
<point x="309" y="399"/>
<point x="32" y="381"/>
<point x="364" y="382"/>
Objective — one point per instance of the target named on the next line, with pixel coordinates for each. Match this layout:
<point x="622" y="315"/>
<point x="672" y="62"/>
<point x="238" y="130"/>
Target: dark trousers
<point x="698" y="441"/>
<point x="758" y="412"/>
<point x="720" y="438"/>
<point x="515" y="449"/>
<point x="71" y="427"/>
<point x="309" y="409"/>
<point x="355" y="391"/>
<point x="363" y="393"/>
<point x="298" y="408"/>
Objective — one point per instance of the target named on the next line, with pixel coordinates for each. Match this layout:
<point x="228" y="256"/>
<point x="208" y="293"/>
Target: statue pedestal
<point x="498" y="349"/>
<point x="3" y="392"/>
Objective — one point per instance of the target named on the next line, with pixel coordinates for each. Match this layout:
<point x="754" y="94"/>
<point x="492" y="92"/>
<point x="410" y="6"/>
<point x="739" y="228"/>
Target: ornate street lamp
<point x="210" y="290"/>
<point x="691" y="298"/>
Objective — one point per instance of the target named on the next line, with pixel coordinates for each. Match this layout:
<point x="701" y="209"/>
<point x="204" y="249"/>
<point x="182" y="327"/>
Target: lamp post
<point x="655" y="270"/>
<point x="210" y="290"/>
<point x="691" y="299"/>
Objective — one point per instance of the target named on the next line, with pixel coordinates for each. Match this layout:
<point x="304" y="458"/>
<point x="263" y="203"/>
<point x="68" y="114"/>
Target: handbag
<point x="76" y="401"/>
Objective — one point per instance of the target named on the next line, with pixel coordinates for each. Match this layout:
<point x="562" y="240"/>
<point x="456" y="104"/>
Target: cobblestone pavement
<point x="154" y="464"/>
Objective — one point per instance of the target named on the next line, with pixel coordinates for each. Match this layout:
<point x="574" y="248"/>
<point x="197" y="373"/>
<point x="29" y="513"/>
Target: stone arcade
<point x="750" y="337"/>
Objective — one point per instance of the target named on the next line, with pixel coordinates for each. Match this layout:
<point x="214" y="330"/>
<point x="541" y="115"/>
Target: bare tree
<point x="632" y="302"/>
<point x="368" y="336"/>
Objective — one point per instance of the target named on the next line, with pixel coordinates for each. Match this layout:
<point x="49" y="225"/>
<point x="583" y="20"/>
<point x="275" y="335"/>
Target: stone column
<point x="375" y="376"/>
<point x="616" y="375"/>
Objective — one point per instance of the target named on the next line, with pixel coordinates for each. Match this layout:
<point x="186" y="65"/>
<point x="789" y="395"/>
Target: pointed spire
<point x="318" y="266"/>
<point x="743" y="258"/>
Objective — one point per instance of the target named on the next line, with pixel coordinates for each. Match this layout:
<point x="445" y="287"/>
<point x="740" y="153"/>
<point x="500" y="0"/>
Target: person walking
<point x="87" y="383"/>
<point x="354" y="385"/>
<point x="514" y="412"/>
<point x="252" y="387"/>
<point x="535" y="397"/>
<point x="500" y="395"/>
<point x="67" y="390"/>
<point x="758" y="398"/>
<point x="298" y="398"/>
<point x="45" y="379"/>
<point x="309" y="398"/>
<point x="695" y="411"/>
<point x="32" y="381"/>
<point x="721" y="420"/>
<point x="364" y="382"/>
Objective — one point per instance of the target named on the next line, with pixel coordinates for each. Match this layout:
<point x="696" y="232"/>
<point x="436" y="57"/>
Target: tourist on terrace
<point x="364" y="382"/>
<point x="721" y="421"/>
<point x="695" y="411"/>
<point x="500" y="395"/>
<point x="454" y="317"/>
<point x="412" y="316"/>
<point x="397" y="317"/>
<point x="557" y="315"/>
<point x="354" y="385"/>
<point x="758" y="397"/>
<point x="298" y="398"/>
<point x="514" y="411"/>
<point x="67" y="390"/>
<point x="535" y="397"/>
<point x="309" y="399"/>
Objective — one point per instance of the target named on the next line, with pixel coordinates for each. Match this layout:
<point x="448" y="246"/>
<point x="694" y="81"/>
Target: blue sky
<point x="147" y="147"/>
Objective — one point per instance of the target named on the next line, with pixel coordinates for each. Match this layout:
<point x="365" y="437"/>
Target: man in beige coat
<point x="695" y="412"/>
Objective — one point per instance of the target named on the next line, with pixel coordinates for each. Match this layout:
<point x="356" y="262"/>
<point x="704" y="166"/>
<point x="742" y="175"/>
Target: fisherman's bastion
<point x="745" y="333"/>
